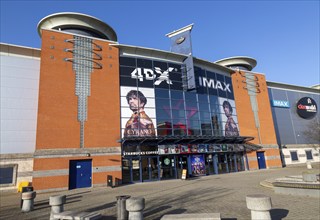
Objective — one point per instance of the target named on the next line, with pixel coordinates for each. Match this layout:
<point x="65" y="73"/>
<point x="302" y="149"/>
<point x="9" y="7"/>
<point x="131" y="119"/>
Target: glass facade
<point x="154" y="105"/>
<point x="289" y="126"/>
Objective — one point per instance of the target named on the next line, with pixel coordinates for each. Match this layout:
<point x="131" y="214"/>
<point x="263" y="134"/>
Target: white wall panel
<point x="19" y="103"/>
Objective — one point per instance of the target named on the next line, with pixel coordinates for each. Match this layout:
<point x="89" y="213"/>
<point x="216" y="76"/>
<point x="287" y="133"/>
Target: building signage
<point x="306" y="108"/>
<point x="280" y="103"/>
<point x="157" y="75"/>
<point x="211" y="83"/>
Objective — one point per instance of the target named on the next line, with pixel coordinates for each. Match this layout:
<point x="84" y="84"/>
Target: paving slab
<point x="224" y="194"/>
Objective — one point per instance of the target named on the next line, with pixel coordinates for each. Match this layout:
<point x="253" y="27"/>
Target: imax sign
<point x="280" y="103"/>
<point x="214" y="84"/>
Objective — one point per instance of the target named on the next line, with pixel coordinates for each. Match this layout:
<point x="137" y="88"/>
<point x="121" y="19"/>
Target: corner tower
<point x="78" y="119"/>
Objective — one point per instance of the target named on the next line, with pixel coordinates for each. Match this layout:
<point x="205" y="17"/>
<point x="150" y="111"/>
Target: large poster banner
<point x="229" y="118"/>
<point x="138" y="117"/>
<point x="198" y="165"/>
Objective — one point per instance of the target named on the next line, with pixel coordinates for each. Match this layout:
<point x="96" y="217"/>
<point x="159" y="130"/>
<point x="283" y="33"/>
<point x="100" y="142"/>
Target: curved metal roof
<point x="247" y="62"/>
<point x="72" y="20"/>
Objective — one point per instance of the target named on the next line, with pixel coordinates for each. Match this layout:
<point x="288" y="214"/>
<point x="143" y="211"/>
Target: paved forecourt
<point x="225" y="194"/>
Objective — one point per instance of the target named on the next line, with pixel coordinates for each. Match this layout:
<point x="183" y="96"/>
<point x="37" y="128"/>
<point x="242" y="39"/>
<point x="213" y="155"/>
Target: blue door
<point x="80" y="174"/>
<point x="261" y="160"/>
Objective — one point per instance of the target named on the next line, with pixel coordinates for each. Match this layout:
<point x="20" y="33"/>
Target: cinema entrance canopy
<point x="240" y="143"/>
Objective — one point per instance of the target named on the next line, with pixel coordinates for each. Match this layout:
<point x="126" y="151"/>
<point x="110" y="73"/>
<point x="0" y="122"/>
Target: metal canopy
<point x="201" y="139"/>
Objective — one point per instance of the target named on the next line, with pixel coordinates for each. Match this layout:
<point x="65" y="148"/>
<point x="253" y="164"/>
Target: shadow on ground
<point x="278" y="214"/>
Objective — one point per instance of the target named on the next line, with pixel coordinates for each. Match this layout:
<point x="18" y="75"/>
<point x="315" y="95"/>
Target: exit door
<point x="80" y="173"/>
<point x="261" y="160"/>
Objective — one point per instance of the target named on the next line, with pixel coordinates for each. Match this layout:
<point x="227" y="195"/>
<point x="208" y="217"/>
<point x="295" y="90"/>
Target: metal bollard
<point x="122" y="213"/>
<point x="260" y="206"/>
<point x="56" y="203"/>
<point x="135" y="207"/>
<point x="28" y="201"/>
<point x="25" y="189"/>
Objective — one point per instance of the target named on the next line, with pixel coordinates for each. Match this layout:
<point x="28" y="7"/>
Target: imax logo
<point x="149" y="74"/>
<point x="281" y="103"/>
<point x="210" y="83"/>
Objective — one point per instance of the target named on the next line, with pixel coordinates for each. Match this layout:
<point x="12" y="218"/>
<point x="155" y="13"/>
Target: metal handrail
<point x="72" y="51"/>
<point x="98" y="65"/>
<point x="98" y="47"/>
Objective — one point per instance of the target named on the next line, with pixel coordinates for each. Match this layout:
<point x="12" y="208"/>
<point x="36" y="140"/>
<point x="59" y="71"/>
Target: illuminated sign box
<point x="280" y="103"/>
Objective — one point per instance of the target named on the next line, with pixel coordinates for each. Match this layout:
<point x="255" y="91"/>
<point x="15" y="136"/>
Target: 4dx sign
<point x="148" y="74"/>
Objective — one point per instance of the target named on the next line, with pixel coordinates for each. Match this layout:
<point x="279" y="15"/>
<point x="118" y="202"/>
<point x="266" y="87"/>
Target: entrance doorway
<point x="182" y="164"/>
<point x="80" y="172"/>
<point x="261" y="160"/>
<point x="149" y="168"/>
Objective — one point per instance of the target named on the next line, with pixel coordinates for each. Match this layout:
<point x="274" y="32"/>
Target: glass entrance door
<point x="182" y="163"/>
<point x="149" y="168"/>
<point x="135" y="169"/>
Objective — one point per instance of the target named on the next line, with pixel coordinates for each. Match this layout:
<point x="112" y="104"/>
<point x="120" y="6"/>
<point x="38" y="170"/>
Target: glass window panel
<point x="176" y="95"/>
<point x="177" y="104"/>
<point x="194" y="132"/>
<point x="213" y="100"/>
<point x="192" y="115"/>
<point x="179" y="132"/>
<point x="294" y="155"/>
<point x="178" y="114"/>
<point x="203" y="98"/>
<point x="164" y="132"/>
<point x="191" y="96"/>
<point x="220" y="86"/>
<point x="162" y="65"/>
<point x="192" y="124"/>
<point x="6" y="176"/>
<point x="163" y="103"/>
<point x="179" y="123"/>
<point x="145" y="83"/>
<point x="163" y="113"/>
<point x="211" y="75"/>
<point x="309" y="155"/>
<point x="205" y="115"/>
<point x="162" y="93"/>
<point x="199" y="72"/>
<point x="191" y="104"/>
<point x="206" y="125"/>
<point x="126" y="71"/>
<point x="126" y="61"/>
<point x="176" y="67"/>
<point x="230" y="95"/>
<point x="176" y="77"/>
<point x="204" y="107"/>
<point x="176" y="85"/>
<point x="206" y="132"/>
<point x="164" y="123"/>
<point x="144" y="63"/>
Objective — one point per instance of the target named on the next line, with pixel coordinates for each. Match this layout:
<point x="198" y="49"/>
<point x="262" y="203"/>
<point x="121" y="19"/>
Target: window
<point x="294" y="155"/>
<point x="309" y="155"/>
<point x="8" y="174"/>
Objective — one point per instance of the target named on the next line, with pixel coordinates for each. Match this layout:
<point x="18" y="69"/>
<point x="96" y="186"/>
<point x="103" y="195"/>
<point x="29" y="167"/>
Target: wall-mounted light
<point x="88" y="155"/>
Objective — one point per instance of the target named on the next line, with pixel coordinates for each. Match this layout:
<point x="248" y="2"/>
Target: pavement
<point x="224" y="193"/>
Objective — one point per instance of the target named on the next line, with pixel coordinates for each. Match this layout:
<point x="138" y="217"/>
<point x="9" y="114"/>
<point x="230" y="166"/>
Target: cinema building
<point x="102" y="110"/>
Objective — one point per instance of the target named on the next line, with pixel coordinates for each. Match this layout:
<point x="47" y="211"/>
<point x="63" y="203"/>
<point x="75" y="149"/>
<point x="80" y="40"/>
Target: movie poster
<point x="138" y="117"/>
<point x="229" y="117"/>
<point x="198" y="165"/>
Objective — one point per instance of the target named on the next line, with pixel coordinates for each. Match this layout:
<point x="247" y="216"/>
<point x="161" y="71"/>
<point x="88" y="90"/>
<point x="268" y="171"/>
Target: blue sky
<point x="283" y="36"/>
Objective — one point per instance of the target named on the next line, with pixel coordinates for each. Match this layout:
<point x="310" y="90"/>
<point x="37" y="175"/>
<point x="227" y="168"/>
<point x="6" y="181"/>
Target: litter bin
<point x="25" y="189"/>
<point x="122" y="213"/>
